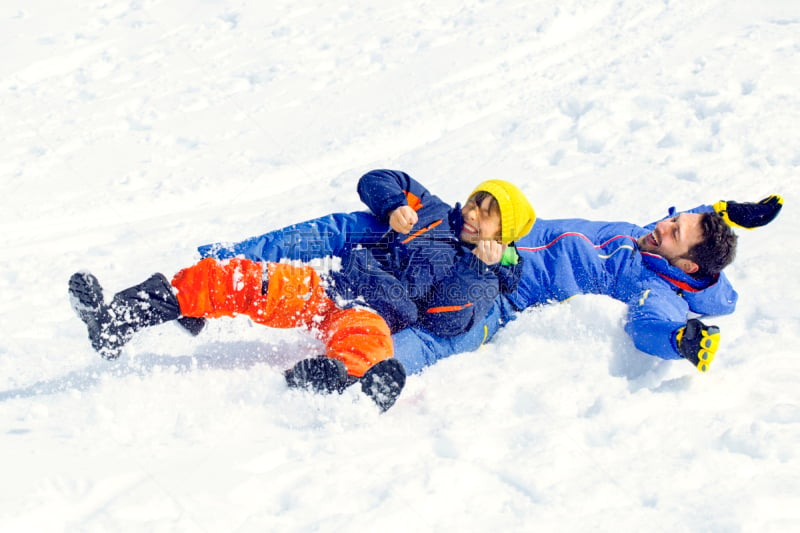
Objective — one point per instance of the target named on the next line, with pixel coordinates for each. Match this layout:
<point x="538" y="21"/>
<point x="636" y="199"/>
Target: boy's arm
<point x="383" y="191"/>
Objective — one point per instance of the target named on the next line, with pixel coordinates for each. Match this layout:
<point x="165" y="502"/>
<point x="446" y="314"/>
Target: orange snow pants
<point x="294" y="298"/>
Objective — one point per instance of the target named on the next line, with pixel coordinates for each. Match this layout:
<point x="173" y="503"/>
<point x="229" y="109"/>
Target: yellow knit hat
<point x="516" y="214"/>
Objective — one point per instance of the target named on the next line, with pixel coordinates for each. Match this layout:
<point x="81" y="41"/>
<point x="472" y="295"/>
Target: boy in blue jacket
<point x="444" y="275"/>
<point x="439" y="266"/>
<point x="663" y="272"/>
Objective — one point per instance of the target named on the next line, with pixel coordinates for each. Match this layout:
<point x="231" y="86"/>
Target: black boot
<point x="111" y="326"/>
<point x="384" y="382"/>
<point x="320" y="374"/>
<point x="86" y="297"/>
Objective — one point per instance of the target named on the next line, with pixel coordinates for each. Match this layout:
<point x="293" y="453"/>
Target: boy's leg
<point x="111" y="326"/>
<point x="359" y="344"/>
<point x="292" y="296"/>
<point x="276" y="295"/>
<point x="357" y="337"/>
<point x="309" y="241"/>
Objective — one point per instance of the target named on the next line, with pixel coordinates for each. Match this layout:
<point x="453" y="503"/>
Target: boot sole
<point x="86" y="298"/>
<point x="85" y="292"/>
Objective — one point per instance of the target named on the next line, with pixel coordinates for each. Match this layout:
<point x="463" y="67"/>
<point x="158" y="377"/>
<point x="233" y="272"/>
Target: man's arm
<point x="747" y="215"/>
<point x="654" y="318"/>
<point x="658" y="325"/>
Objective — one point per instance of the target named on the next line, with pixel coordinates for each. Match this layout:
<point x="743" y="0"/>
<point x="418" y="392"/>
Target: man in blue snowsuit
<point x="662" y="272"/>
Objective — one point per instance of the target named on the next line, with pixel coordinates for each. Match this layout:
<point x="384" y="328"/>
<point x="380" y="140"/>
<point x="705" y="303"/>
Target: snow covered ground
<point x="134" y="130"/>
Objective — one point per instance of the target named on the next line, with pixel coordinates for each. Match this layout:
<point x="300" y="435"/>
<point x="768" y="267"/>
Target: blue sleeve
<point x="654" y="317"/>
<point x="456" y="303"/>
<point x="330" y="235"/>
<point x="383" y="191"/>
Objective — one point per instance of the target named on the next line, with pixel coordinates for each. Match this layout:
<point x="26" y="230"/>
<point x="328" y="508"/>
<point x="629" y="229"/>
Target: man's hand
<point x="750" y="215"/>
<point x="403" y="219"/>
<point x="490" y="252"/>
<point x="698" y="343"/>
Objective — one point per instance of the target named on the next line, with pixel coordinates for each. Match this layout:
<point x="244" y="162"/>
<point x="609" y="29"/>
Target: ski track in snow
<point x="134" y="131"/>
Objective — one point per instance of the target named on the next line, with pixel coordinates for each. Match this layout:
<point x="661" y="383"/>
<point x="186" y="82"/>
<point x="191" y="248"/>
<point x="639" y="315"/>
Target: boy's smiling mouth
<point x="469" y="228"/>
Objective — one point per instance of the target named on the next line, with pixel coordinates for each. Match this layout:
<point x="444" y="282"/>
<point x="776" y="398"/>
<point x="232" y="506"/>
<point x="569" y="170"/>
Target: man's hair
<point x="717" y="249"/>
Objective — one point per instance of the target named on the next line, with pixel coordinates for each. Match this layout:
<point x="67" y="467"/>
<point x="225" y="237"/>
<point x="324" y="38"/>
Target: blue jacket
<point x="568" y="257"/>
<point x="428" y="277"/>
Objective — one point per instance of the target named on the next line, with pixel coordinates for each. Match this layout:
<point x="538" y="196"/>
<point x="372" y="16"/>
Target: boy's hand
<point x="698" y="343"/>
<point x="750" y="215"/>
<point x="403" y="219"/>
<point x="490" y="252"/>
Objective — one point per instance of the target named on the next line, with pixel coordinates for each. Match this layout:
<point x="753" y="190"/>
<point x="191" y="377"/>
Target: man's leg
<point x="313" y="239"/>
<point x="417" y="348"/>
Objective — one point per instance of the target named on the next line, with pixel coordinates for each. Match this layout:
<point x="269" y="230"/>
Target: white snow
<point x="134" y="130"/>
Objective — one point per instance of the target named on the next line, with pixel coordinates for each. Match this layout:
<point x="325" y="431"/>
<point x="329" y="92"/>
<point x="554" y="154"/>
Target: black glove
<point x="750" y="215"/>
<point x="698" y="343"/>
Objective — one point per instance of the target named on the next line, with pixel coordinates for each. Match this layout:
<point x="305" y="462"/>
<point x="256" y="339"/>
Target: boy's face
<point x="481" y="222"/>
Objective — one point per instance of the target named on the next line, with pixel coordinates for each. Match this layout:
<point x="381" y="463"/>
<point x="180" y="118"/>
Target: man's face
<point x="672" y="239"/>
<point x="480" y="222"/>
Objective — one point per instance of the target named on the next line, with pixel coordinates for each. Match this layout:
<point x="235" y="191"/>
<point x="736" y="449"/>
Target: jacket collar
<point x="456" y="219"/>
<point x="674" y="275"/>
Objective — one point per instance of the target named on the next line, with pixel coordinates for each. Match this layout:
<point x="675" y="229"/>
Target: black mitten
<point x="750" y="215"/>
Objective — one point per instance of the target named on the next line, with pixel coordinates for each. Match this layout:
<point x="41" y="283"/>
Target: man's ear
<point x="687" y="265"/>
